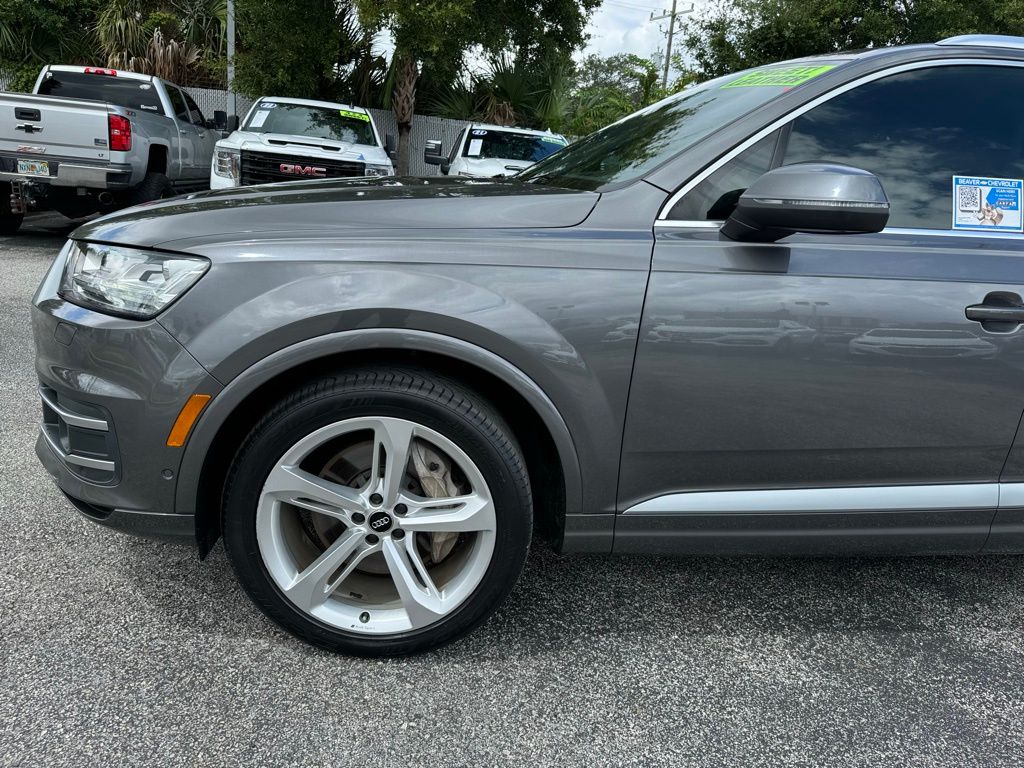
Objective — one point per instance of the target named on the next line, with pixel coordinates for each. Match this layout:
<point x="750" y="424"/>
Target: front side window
<point x="715" y="198"/>
<point x="315" y="122"/>
<point x="916" y="130"/>
<point x="193" y="110"/>
<point x="178" y="104"/>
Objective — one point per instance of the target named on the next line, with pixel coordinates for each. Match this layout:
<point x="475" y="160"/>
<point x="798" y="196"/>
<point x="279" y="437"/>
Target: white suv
<point x="291" y="139"/>
<point x="484" y="151"/>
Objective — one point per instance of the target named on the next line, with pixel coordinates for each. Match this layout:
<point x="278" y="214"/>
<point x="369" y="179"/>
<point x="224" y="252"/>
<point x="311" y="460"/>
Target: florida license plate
<point x="34" y="167"/>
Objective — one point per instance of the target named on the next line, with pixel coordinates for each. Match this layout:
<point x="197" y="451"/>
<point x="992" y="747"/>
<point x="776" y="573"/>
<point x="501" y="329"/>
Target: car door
<point x="833" y="385"/>
<point x="191" y="144"/>
<point x="207" y="137"/>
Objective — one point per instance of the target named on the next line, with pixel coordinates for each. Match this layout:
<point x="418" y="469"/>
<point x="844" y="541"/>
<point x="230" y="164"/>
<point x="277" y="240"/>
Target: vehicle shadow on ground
<point x="576" y="601"/>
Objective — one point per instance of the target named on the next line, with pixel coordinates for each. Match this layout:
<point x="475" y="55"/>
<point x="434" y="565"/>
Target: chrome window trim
<point x="825" y="97"/>
<point x="893" y="498"/>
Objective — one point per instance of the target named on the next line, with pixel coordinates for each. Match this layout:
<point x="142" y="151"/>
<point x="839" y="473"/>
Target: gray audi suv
<point x="778" y="312"/>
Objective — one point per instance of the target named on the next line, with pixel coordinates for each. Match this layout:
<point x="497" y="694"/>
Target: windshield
<point x="626" y="150"/>
<point x="123" y="92"/>
<point x="336" y="124"/>
<point x="504" y="145"/>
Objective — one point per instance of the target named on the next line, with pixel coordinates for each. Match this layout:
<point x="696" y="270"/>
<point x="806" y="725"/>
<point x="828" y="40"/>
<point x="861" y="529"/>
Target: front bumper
<point x="110" y="392"/>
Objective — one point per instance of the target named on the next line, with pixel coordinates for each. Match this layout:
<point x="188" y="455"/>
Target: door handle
<point x="999" y="312"/>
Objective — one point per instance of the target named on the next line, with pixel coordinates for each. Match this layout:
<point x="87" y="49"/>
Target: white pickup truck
<point x="290" y="139"/>
<point x="90" y="139"/>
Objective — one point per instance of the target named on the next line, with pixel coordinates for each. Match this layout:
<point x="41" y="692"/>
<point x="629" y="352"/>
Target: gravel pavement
<point x="116" y="651"/>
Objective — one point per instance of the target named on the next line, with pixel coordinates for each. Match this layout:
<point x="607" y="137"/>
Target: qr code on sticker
<point x="968" y="198"/>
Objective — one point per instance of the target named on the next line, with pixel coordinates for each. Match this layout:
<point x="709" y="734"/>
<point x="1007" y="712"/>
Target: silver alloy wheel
<point x="328" y="583"/>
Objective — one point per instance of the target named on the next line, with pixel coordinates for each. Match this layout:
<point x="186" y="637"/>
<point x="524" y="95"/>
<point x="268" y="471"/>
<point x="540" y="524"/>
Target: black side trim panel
<point x="807" y="533"/>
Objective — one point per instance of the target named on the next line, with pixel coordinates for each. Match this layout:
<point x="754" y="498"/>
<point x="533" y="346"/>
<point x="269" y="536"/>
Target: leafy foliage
<point x="730" y="35"/>
<point x="530" y="42"/>
<point x="306" y="49"/>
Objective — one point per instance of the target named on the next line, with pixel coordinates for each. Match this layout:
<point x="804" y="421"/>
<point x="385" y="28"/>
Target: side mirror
<point x="232" y="124"/>
<point x="432" y="153"/>
<point x="220" y="120"/>
<point x="809" y="197"/>
<point x="391" y="147"/>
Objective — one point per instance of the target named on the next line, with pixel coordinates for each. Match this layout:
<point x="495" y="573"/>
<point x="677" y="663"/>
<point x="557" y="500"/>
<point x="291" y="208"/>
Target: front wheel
<point x="379" y="513"/>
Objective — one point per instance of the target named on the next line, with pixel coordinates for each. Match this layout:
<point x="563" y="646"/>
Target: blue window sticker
<point x="985" y="204"/>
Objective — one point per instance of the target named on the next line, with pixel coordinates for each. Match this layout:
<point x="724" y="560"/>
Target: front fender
<point x="244" y="385"/>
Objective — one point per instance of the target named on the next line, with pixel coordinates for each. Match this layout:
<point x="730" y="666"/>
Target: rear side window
<point x="131" y="94"/>
<point x="916" y="130"/>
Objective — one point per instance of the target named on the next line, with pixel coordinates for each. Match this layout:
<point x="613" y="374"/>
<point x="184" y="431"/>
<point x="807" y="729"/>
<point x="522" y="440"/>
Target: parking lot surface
<point x="121" y="651"/>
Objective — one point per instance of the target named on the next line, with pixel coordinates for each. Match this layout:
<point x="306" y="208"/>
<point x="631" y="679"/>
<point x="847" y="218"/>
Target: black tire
<point x="10" y="222"/>
<point x="417" y="395"/>
<point x="155" y="186"/>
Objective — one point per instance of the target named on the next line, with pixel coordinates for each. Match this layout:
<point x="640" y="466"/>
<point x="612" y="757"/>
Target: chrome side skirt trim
<point x="890" y="498"/>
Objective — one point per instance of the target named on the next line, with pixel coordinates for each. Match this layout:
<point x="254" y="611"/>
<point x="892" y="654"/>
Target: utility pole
<point x="232" y="104"/>
<point x="671" y="16"/>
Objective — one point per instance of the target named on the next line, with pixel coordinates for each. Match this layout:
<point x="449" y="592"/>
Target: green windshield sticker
<point x="782" y="77"/>
<point x="553" y="140"/>
<point x="354" y="115"/>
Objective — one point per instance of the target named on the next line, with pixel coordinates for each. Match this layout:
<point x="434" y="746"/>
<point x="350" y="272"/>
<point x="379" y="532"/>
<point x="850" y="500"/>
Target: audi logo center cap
<point x="380" y="522"/>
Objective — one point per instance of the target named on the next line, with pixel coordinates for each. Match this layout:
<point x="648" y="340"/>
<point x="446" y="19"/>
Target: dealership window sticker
<point x="785" y="77"/>
<point x="259" y="118"/>
<point x="985" y="204"/>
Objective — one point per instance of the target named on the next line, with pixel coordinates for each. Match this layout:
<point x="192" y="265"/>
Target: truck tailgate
<point x="65" y="128"/>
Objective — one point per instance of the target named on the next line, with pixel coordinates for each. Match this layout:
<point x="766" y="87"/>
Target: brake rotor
<point x="351" y="467"/>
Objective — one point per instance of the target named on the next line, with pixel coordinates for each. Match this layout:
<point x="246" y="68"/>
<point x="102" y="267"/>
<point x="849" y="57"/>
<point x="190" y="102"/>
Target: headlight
<point x="227" y="163"/>
<point x="379" y="170"/>
<point x="127" y="282"/>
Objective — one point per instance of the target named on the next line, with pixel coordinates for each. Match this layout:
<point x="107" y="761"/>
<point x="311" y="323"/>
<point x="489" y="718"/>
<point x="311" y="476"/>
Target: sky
<point x="624" y="26"/>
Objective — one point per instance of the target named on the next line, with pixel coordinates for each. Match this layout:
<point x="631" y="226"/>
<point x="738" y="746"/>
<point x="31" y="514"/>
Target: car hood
<point x="298" y="148"/>
<point x="323" y="208"/>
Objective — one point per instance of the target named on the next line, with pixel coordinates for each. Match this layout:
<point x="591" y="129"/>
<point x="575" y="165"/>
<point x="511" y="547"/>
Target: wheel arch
<point x="539" y="427"/>
<point x="157" y="159"/>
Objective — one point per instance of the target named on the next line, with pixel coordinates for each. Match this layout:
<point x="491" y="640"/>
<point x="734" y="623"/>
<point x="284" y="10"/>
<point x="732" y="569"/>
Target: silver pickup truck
<point x="90" y="139"/>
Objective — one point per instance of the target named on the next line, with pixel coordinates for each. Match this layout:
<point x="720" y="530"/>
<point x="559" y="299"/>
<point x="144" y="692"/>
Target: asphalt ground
<point x="117" y="651"/>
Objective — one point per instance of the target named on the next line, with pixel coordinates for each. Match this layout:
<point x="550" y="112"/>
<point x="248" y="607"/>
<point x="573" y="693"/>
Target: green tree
<point x="432" y="36"/>
<point x="38" y="32"/>
<point x="730" y="35"/>
<point x="608" y="88"/>
<point x="306" y="49"/>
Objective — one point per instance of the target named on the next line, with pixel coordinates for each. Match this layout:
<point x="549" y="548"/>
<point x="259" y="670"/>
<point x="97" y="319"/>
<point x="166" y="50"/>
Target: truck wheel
<point x="156" y="186"/>
<point x="10" y="222"/>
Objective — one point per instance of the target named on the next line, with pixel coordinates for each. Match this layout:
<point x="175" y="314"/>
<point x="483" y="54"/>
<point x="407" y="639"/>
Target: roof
<point x="513" y="129"/>
<point x="122" y="73"/>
